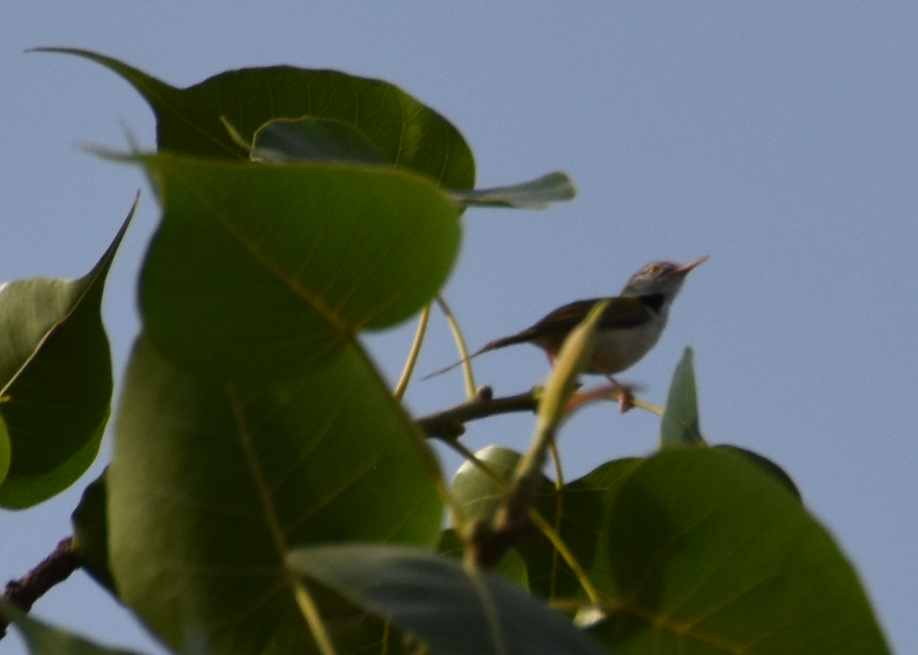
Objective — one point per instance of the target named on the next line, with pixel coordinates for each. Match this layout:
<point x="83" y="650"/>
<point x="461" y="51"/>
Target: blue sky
<point x="780" y="138"/>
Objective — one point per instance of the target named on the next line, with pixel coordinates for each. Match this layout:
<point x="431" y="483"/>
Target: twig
<point x="449" y="424"/>
<point x="55" y="568"/>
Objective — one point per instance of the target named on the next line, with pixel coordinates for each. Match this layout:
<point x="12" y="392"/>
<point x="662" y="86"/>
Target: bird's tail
<point x="521" y="337"/>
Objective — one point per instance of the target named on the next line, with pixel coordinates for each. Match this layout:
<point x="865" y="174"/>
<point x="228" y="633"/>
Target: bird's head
<point x="660" y="278"/>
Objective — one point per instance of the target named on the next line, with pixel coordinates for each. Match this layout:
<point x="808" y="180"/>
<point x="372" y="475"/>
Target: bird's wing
<point x="622" y="312"/>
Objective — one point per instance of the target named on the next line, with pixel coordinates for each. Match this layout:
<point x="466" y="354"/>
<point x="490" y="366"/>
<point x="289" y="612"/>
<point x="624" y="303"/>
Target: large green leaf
<point x="267" y="269"/>
<point x="213" y="482"/>
<point x="711" y="554"/>
<point x="578" y="511"/>
<point x="454" y="611"/>
<point x="44" y="639"/>
<point x="407" y="133"/>
<point x="311" y="139"/>
<point x="766" y="465"/>
<point x="55" y="379"/>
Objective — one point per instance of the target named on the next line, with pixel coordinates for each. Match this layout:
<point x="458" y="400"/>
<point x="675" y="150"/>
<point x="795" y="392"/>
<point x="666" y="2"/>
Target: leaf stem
<point x="402" y="385"/>
<point x="313" y="618"/>
<point x="460" y="346"/>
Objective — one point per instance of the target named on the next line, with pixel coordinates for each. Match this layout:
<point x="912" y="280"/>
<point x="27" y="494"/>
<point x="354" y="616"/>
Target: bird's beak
<point x="686" y="268"/>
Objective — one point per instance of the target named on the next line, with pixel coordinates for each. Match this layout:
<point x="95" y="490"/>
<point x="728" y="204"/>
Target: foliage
<point x="269" y="494"/>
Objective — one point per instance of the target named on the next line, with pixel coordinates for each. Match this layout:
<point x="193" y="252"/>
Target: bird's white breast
<point x="620" y="349"/>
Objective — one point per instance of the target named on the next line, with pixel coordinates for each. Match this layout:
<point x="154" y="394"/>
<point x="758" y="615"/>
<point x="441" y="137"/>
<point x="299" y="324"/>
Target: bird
<point x="629" y="328"/>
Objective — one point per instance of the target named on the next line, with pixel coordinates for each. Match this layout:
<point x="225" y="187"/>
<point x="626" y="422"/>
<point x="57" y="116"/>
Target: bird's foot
<point x="625" y="395"/>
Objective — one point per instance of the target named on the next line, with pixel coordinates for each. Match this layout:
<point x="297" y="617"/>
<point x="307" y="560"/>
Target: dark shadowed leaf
<point x="452" y="610"/>
<point x="680" y="425"/>
<point x="212" y="482"/>
<point x="269" y="269"/>
<point x="90" y="534"/>
<point x="710" y="554"/>
<point x="55" y="379"/>
<point x="579" y="511"/>
<point x="191" y="121"/>
<point x="511" y="566"/>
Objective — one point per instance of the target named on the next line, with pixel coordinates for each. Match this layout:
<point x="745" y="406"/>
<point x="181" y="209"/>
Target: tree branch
<point x="449" y="424"/>
<point x="55" y="568"/>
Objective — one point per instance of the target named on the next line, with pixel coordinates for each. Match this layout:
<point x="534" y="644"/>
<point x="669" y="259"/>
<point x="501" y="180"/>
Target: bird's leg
<point x="625" y="394"/>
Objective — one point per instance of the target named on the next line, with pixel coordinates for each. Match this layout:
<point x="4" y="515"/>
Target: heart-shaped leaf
<point x="711" y="554"/>
<point x="213" y="482"/>
<point x="193" y="120"/>
<point x="267" y="269"/>
<point x="55" y="379"/>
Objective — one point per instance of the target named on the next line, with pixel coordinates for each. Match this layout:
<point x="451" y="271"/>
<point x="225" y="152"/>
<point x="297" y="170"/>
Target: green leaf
<point x="536" y="194"/>
<point x="454" y="611"/>
<point x="680" y="425"/>
<point x="511" y="566"/>
<point x="90" y="534"/>
<point x="712" y="555"/>
<point x="43" y="639"/>
<point x="315" y="140"/>
<point x="190" y="121"/>
<point x="579" y="512"/>
<point x="213" y="482"/>
<point x="55" y="379"/>
<point x="268" y="269"/>
<point x="766" y="465"/>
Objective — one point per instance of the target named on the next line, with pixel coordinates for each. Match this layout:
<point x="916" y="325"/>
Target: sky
<point x="779" y="138"/>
